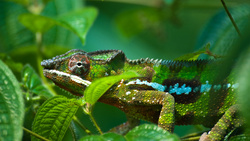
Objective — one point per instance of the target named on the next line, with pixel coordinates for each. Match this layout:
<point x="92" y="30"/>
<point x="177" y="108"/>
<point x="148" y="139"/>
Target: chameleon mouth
<point x="72" y="83"/>
<point x="64" y="77"/>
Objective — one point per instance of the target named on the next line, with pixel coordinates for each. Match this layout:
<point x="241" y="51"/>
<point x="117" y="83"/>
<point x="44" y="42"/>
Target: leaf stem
<point x="36" y="99"/>
<point x="82" y="126"/>
<point x="34" y="134"/>
<point x="191" y="138"/>
<point x="88" y="111"/>
<point x="95" y="123"/>
<point x="230" y="16"/>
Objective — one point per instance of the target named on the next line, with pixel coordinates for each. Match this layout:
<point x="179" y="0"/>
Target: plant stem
<point x="82" y="126"/>
<point x="36" y="99"/>
<point x="191" y="139"/>
<point x="35" y="8"/>
<point x="88" y="111"/>
<point x="231" y="18"/>
<point x="96" y="125"/>
<point x="39" y="59"/>
<point x="34" y="134"/>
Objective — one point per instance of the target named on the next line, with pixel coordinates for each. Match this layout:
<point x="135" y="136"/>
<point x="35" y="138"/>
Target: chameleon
<point x="168" y="92"/>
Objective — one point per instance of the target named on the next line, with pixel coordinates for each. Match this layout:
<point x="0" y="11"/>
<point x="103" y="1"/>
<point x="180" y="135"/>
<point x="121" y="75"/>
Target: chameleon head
<point x="68" y="71"/>
<point x="72" y="70"/>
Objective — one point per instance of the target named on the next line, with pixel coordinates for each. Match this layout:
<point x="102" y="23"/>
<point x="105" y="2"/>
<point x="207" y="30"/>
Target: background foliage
<point x="33" y="30"/>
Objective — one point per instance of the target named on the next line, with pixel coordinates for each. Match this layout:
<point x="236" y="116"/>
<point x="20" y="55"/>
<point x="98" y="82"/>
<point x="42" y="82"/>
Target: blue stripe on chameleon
<point x="205" y="87"/>
<point x="158" y="86"/>
<point x="183" y="89"/>
<point x="154" y="85"/>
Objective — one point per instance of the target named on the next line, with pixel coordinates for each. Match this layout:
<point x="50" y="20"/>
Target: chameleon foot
<point x="228" y="121"/>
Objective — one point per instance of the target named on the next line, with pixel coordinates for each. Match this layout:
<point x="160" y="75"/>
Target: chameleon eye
<point x="79" y="65"/>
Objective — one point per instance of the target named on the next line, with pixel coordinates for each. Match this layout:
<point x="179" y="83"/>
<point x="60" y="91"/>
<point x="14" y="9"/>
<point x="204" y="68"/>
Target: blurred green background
<point x="160" y="38"/>
<point x="164" y="29"/>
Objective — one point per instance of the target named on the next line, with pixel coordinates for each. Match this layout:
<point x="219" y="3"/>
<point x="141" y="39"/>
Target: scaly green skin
<point x="184" y="92"/>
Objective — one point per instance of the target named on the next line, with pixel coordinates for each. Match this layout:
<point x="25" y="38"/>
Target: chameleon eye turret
<point x="79" y="65"/>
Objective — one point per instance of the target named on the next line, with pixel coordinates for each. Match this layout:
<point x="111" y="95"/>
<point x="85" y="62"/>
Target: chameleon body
<point x="168" y="93"/>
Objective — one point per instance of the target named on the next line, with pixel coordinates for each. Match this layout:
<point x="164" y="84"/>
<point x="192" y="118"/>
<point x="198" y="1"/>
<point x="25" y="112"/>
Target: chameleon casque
<point x="168" y="93"/>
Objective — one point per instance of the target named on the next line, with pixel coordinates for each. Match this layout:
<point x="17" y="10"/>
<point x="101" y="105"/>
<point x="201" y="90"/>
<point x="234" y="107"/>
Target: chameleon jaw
<point x="64" y="75"/>
<point x="69" y="82"/>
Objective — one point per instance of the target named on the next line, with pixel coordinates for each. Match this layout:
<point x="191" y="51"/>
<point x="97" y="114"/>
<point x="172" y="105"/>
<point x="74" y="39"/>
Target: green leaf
<point x="196" y="54"/>
<point x="92" y="138"/>
<point x="243" y="77"/>
<point x="53" y="117"/>
<point x="104" y="137"/>
<point x="59" y="35"/>
<point x="33" y="83"/>
<point x="12" y="33"/>
<point x="150" y="132"/>
<point x="190" y="56"/>
<point x="223" y="35"/>
<point x="79" y="21"/>
<point x="113" y="137"/>
<point x="98" y="87"/>
<point x="14" y="66"/>
<point x="36" y="23"/>
<point x="11" y="106"/>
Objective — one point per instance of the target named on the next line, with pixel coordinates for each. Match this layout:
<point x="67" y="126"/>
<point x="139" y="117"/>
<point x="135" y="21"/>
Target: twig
<point x="231" y="18"/>
<point x="95" y="123"/>
<point x="35" y="134"/>
<point x="82" y="126"/>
